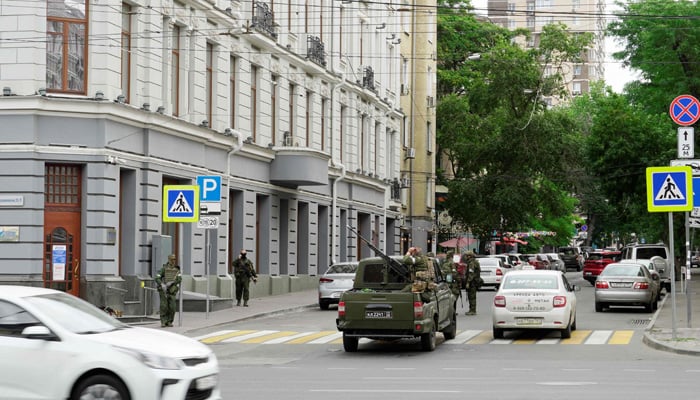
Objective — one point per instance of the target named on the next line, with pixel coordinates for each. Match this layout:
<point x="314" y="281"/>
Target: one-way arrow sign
<point x="686" y="142"/>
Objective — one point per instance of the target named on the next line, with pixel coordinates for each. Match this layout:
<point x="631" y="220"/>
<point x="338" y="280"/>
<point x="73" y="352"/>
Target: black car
<point x="572" y="257"/>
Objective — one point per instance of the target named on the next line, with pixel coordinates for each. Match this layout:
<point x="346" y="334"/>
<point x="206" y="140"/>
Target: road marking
<point x="621" y="337"/>
<point x="469" y="337"/>
<point x="599" y="337"/>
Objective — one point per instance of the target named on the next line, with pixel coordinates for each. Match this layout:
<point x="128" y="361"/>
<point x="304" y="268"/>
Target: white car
<point x="57" y="346"/>
<point x="339" y="278"/>
<point x="492" y="271"/>
<point x="535" y="299"/>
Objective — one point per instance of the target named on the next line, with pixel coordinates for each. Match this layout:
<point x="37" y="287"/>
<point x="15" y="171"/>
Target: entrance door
<point x="62" y="228"/>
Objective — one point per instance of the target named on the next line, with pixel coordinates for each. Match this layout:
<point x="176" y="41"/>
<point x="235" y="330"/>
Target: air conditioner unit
<point x="405" y="89"/>
<point x="430" y="101"/>
<point x="411" y="152"/>
<point x="288" y="139"/>
<point x="405" y="183"/>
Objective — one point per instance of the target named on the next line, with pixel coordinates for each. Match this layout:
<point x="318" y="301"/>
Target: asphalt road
<point x="299" y="356"/>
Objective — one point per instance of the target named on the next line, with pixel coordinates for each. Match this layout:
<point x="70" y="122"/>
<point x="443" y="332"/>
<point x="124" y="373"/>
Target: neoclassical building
<point x="295" y="105"/>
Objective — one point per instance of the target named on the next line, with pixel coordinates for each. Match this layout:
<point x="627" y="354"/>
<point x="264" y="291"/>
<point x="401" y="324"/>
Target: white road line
<point x="287" y="338"/>
<point x="248" y="336"/>
<point x="381" y="391"/>
<point x="501" y="341"/>
<point x="598" y="337"/>
<point x="548" y="341"/>
<point x="464" y="337"/>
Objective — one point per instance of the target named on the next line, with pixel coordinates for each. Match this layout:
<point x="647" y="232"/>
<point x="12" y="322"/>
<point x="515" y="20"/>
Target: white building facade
<point x="294" y="104"/>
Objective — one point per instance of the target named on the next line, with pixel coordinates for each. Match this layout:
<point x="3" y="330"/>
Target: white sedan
<point x="58" y="346"/>
<point x="535" y="299"/>
<point x="492" y="271"/>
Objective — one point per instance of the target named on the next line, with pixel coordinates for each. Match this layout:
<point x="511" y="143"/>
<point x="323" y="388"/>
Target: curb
<point x="253" y="317"/>
<point x="654" y="343"/>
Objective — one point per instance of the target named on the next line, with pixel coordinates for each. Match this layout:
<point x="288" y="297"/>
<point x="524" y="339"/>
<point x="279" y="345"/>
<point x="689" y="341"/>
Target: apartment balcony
<point x="264" y="20"/>
<point x="299" y="166"/>
<point x="315" y="50"/>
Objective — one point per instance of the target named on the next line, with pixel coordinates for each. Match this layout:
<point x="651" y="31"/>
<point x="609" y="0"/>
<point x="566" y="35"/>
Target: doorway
<point x="62" y="193"/>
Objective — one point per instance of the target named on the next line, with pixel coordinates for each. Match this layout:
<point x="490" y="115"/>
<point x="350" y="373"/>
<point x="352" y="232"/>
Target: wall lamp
<point x="121" y="99"/>
<point x="99" y="95"/>
<point x="7" y="91"/>
<point x="160" y="110"/>
<point x="204" y="123"/>
<point x="146" y="107"/>
<point x="42" y="91"/>
<point x="248" y="140"/>
<point x="228" y="132"/>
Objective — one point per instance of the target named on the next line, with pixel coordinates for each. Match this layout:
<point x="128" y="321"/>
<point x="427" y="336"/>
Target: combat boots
<point x="238" y="303"/>
<point x="245" y="303"/>
<point x="470" y="313"/>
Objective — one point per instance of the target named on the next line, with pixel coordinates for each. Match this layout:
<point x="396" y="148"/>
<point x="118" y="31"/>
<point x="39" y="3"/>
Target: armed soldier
<point x="244" y="271"/>
<point x="450" y="269"/>
<point x="473" y="279"/>
<point x="168" y="280"/>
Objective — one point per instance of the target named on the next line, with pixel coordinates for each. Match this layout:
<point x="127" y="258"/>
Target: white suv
<point x="649" y="251"/>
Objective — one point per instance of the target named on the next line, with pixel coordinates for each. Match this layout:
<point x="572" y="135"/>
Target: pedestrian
<point x="472" y="278"/>
<point x="168" y="283"/>
<point x="244" y="272"/>
<point x="449" y="270"/>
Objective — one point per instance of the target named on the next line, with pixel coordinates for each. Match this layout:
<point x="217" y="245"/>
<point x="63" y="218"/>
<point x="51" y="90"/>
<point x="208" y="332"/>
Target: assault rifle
<point x="394" y="264"/>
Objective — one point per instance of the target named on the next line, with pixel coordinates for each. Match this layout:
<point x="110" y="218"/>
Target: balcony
<point x="299" y="166"/>
<point x="368" y="79"/>
<point x="263" y="20"/>
<point x="315" y="50"/>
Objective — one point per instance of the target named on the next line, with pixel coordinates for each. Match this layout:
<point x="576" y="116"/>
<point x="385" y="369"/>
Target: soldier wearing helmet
<point x="473" y="279"/>
<point x="168" y="281"/>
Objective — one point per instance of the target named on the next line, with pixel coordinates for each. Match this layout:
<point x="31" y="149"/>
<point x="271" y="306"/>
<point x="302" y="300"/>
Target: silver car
<point x="626" y="284"/>
<point x="492" y="271"/>
<point x="338" y="278"/>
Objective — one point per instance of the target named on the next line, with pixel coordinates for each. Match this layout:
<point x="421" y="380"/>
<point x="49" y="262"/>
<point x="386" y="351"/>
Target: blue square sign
<point x="669" y="189"/>
<point x="180" y="203"/>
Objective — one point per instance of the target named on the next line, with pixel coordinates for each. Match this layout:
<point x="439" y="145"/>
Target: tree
<point x="510" y="157"/>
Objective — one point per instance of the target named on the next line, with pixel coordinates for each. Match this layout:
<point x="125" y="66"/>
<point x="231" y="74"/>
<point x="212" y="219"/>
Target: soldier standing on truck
<point x="423" y="275"/>
<point x="473" y="280"/>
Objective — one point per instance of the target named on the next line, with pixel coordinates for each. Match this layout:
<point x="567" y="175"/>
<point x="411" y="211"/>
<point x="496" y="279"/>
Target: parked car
<point x="572" y="257"/>
<point x="492" y="271"/>
<point x="648" y="250"/>
<point x="539" y="261"/>
<point x="57" y="346"/>
<point x="555" y="262"/>
<point x="596" y="261"/>
<point x="507" y="261"/>
<point x="531" y="299"/>
<point x="337" y="279"/>
<point x="626" y="284"/>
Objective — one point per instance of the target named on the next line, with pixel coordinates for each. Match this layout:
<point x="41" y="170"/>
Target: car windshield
<point x="342" y="269"/>
<point x="489" y="262"/>
<point x="567" y="252"/>
<point x="75" y="314"/>
<point x="530" y="282"/>
<point x="622" y="270"/>
<point x="649" y="252"/>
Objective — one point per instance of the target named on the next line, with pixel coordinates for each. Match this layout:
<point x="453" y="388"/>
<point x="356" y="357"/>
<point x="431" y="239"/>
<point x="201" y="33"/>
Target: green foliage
<point x="513" y="161"/>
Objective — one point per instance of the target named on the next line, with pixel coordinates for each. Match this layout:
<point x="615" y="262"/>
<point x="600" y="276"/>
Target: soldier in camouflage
<point x="168" y="283"/>
<point x="473" y="279"/>
<point x="244" y="271"/>
<point x="450" y="269"/>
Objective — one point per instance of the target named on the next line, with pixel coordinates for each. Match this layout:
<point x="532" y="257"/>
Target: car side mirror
<point x="38" y="332"/>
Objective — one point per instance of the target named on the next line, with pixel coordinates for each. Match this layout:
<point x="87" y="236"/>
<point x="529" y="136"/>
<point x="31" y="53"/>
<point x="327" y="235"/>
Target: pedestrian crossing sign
<point x="180" y="203"/>
<point x="669" y="189"/>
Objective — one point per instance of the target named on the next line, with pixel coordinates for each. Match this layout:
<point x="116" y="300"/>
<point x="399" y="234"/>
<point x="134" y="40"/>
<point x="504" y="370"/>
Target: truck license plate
<point x="378" y="314"/>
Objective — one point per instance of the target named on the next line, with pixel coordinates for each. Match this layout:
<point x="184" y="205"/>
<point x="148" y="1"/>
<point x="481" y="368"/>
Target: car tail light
<point x="499" y="271"/>
<point x="641" y="285"/>
<point x="499" y="301"/>
<point x="325" y="280"/>
<point x="559" y="301"/>
<point x="341" y="309"/>
<point x="601" y="285"/>
<point x="417" y="309"/>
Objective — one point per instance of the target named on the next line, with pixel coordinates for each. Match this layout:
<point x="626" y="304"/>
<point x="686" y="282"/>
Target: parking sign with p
<point x="209" y="188"/>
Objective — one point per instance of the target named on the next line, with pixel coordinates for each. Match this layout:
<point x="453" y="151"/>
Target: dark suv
<point x="572" y="257"/>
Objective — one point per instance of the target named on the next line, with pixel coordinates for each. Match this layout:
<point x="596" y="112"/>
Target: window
<point x="209" y="98"/>
<point x="429" y="136"/>
<point x="577" y="70"/>
<point x="377" y="134"/>
<point x="576" y="88"/>
<point x="343" y="112"/>
<point x="13" y="319"/>
<point x="175" y="71"/>
<point x="324" y="107"/>
<point x="292" y="108"/>
<point x="233" y="66"/>
<point x="66" y="46"/>
<point x="126" y="51"/>
<point x="309" y="117"/>
<point x="254" y="101"/>
<point x="274" y="106"/>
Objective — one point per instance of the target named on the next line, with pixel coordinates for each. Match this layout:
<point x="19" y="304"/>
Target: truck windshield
<point x="374" y="273"/>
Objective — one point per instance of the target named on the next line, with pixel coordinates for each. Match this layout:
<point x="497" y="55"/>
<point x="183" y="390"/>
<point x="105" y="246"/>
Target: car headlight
<point x="153" y="360"/>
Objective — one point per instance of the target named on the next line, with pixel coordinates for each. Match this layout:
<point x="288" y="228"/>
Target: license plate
<point x="620" y="285"/>
<point x="528" y="321"/>
<point x="206" y="382"/>
<point x="378" y="314"/>
<point x="587" y="273"/>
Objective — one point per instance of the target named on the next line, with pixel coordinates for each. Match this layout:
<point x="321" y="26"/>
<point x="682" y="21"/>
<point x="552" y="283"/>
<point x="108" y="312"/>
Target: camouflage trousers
<point x="242" y="289"/>
<point x="471" y="298"/>
<point x="167" y="308"/>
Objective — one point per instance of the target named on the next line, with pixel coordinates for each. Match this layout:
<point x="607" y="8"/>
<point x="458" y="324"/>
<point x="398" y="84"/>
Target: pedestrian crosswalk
<point x="467" y="337"/>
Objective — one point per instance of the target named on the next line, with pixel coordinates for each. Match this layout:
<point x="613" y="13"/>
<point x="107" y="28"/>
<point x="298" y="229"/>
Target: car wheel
<point x="497" y="333"/>
<point x="649" y="307"/>
<point x="566" y="333"/>
<point x="428" y="340"/>
<point x="451" y="331"/>
<point x="573" y="323"/>
<point x="100" y="387"/>
<point x="324" y="304"/>
<point x="598" y="307"/>
<point x="350" y="343"/>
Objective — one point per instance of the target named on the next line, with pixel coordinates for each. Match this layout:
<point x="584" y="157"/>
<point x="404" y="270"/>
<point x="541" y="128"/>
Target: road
<point x="300" y="356"/>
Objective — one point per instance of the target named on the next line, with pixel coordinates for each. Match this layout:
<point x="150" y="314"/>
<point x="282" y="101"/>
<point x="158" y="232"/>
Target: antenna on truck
<point x="394" y="264"/>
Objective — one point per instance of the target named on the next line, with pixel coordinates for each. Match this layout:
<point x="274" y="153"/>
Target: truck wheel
<point x="350" y="343"/>
<point x="428" y="340"/>
<point x="451" y="331"/>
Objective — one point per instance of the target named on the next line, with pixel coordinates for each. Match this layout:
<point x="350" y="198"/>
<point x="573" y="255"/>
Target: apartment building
<point x="578" y="15"/>
<point x="300" y="108"/>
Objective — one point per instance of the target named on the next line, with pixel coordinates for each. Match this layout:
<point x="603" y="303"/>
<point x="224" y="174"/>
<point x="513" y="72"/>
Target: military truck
<point x="383" y="305"/>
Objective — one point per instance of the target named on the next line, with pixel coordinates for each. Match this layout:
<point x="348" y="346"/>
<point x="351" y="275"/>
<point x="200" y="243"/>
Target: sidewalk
<point x="190" y="322"/>
<point x="658" y="334"/>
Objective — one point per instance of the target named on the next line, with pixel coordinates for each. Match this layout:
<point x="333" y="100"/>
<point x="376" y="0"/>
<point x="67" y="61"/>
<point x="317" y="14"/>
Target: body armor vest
<point x="170" y="273"/>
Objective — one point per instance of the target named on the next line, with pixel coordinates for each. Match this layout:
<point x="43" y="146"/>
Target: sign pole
<point x="207" y="257"/>
<point x="687" y="268"/>
<point x="673" y="275"/>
